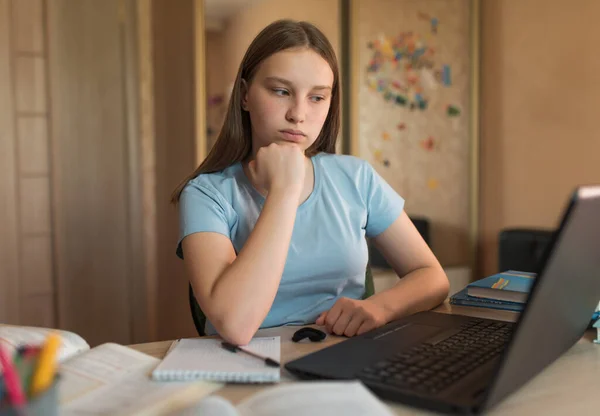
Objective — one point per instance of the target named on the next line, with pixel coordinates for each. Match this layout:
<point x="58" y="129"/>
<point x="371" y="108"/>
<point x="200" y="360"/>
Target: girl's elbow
<point x="236" y="337"/>
<point x="235" y="331"/>
<point x="443" y="286"/>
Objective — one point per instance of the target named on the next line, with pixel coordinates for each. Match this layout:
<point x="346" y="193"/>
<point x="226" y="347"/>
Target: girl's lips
<point x="291" y="136"/>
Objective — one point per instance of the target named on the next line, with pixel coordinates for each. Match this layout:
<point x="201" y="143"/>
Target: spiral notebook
<point x="205" y="359"/>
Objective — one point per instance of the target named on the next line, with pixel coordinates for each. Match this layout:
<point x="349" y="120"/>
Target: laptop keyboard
<point x="432" y="366"/>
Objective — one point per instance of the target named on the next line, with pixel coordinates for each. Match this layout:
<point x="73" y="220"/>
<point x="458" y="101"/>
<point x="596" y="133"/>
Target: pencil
<point x="46" y="366"/>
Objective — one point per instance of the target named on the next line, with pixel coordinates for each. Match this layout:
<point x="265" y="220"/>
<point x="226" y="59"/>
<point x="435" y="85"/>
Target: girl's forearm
<point x="420" y="290"/>
<point x="245" y="291"/>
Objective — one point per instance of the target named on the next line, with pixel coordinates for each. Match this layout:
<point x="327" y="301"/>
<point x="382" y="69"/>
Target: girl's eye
<point x="317" y="98"/>
<point x="280" y="91"/>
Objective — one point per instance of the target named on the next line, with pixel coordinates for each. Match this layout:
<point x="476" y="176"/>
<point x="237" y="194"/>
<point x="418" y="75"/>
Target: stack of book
<point x="507" y="290"/>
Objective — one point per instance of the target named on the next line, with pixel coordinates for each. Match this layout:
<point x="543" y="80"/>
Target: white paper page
<point x="98" y="367"/>
<point x="13" y="336"/>
<point x="348" y="398"/>
<point x="136" y="394"/>
<point x="209" y="357"/>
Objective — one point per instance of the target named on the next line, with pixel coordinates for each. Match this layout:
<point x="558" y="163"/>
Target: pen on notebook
<point x="46" y="365"/>
<point x="234" y="348"/>
<point x="12" y="384"/>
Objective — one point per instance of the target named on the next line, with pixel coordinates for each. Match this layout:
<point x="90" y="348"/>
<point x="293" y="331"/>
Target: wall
<point x="27" y="294"/>
<point x="540" y="75"/>
<point x="175" y="105"/>
<point x="245" y="25"/>
<point x="225" y="49"/>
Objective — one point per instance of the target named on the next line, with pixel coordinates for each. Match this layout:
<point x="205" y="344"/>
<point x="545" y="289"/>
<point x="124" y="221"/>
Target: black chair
<point x="522" y="249"/>
<point x="377" y="260"/>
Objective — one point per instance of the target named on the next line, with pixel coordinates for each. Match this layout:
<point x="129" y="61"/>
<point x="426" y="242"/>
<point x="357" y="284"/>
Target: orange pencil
<point x="46" y="365"/>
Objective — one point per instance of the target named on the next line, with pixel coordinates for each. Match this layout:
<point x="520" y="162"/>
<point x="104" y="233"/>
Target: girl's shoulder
<point x="223" y="182"/>
<point x="342" y="161"/>
<point x="345" y="165"/>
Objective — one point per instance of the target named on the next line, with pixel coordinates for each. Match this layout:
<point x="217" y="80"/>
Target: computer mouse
<point x="313" y="334"/>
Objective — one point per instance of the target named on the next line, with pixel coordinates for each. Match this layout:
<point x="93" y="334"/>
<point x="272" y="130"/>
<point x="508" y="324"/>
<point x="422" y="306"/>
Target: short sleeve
<point x="202" y="209"/>
<point x="384" y="205"/>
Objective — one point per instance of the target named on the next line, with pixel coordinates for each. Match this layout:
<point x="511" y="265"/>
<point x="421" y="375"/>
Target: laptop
<point x="460" y="364"/>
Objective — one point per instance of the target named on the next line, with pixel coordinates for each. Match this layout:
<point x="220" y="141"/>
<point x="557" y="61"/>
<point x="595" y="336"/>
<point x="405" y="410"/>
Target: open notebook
<point x="11" y="336"/>
<point x="112" y="379"/>
<point x="348" y="398"/>
<point x="109" y="379"/>
<point x="205" y="359"/>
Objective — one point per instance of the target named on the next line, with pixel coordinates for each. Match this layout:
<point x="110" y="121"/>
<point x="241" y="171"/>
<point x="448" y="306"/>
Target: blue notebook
<point x="507" y="290"/>
<point x="509" y="286"/>
<point x="462" y="299"/>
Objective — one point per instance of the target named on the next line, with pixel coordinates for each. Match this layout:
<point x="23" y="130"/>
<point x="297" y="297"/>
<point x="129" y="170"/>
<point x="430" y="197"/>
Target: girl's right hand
<point x="278" y="168"/>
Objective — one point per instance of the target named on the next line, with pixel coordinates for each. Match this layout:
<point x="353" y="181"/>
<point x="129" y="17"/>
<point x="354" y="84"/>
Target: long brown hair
<point x="234" y="143"/>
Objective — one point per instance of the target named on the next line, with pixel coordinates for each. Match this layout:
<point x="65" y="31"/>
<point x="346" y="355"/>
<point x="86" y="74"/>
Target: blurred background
<point x="481" y="114"/>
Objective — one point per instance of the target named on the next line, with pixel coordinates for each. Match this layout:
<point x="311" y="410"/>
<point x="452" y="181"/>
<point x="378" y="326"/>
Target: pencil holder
<point x="45" y="404"/>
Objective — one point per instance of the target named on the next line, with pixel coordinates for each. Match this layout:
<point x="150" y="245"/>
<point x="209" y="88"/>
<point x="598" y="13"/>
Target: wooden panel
<point x="173" y="36"/>
<point x="35" y="205"/>
<point x="90" y="177"/>
<point x="38" y="310"/>
<point x="9" y="261"/>
<point x="136" y="177"/>
<point x="148" y="162"/>
<point x="36" y="266"/>
<point x="30" y="84"/>
<point x="28" y="25"/>
<point x="33" y="145"/>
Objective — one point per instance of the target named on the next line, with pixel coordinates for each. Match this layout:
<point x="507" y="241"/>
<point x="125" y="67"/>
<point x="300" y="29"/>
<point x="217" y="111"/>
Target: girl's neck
<point x="309" y="177"/>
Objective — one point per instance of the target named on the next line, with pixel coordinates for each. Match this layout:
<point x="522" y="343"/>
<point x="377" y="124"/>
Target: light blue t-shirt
<point x="328" y="252"/>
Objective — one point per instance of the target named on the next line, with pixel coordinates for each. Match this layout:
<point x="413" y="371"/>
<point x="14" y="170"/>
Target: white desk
<point x="571" y="385"/>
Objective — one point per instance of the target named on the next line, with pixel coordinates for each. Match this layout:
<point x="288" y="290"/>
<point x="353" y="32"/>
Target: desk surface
<point x="569" y="384"/>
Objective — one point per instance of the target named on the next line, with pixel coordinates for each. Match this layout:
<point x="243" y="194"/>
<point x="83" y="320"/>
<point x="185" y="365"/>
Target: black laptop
<point x="460" y="364"/>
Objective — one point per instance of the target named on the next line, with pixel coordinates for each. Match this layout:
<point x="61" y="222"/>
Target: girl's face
<point x="289" y="98"/>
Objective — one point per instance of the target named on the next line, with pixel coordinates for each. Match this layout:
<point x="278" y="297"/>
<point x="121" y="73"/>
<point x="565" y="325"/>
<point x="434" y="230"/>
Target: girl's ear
<point x="244" y="94"/>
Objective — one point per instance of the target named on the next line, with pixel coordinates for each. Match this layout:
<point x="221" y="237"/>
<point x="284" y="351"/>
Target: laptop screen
<point x="562" y="300"/>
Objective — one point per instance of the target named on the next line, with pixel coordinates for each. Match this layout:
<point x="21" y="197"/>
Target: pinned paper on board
<point x="429" y="80"/>
<point x="446" y="80"/>
<point x="413" y="94"/>
<point x="433" y="184"/>
<point x="453" y="111"/>
<point x="428" y="144"/>
<point x="433" y="21"/>
<point x="378" y="155"/>
<point x="402" y="68"/>
<point x="396" y="68"/>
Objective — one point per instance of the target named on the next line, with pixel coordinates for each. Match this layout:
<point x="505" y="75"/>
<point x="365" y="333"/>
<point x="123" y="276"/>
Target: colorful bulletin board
<point x="413" y="101"/>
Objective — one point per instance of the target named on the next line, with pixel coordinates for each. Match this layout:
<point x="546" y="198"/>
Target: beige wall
<point x="245" y="25"/>
<point x="225" y="49"/>
<point x="539" y="112"/>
